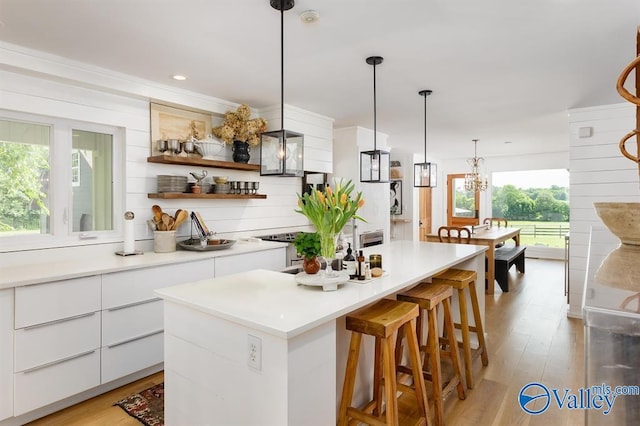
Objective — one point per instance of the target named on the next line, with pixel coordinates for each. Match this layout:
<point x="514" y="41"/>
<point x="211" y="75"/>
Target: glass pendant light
<point x="425" y="174"/>
<point x="374" y="165"/>
<point x="281" y="151"/>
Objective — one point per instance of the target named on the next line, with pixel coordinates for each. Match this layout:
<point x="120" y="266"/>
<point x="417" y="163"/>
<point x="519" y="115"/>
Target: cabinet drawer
<point x="37" y="304"/>
<point x="273" y="260"/>
<point x="127" y="287"/>
<point x="121" y="360"/>
<point x="47" y="343"/>
<point x="126" y="323"/>
<point x="37" y="388"/>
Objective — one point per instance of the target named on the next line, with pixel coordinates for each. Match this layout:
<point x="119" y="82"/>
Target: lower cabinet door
<point x="130" y="322"/>
<point x="122" y="359"/>
<point x="43" y="385"/>
<point x="45" y="344"/>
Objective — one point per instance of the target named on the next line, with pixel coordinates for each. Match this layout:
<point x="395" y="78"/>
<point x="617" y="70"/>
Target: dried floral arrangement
<point x="238" y="127"/>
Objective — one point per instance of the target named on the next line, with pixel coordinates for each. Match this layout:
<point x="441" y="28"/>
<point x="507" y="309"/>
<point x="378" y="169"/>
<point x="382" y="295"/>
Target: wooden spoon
<point x="166" y="220"/>
<point x="181" y="216"/>
<point x="157" y="213"/>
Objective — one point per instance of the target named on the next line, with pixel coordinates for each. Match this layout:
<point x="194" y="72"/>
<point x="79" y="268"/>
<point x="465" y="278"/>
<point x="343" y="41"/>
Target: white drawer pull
<point x="153" y="333"/>
<point x="60" y="361"/>
<point x="31" y="327"/>
<point x="142" y="302"/>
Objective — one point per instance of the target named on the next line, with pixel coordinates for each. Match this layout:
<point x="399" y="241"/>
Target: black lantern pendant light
<point x="425" y="174"/>
<point x="374" y="165"/>
<point x="281" y="151"/>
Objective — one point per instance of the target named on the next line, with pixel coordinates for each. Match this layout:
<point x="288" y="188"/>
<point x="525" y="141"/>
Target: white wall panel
<point x="599" y="172"/>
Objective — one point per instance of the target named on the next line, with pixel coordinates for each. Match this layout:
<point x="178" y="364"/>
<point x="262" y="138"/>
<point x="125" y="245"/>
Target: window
<point x="57" y="181"/>
<point x="537" y="201"/>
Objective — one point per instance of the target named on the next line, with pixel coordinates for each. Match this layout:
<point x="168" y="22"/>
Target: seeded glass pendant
<point x="425" y="174"/>
<point x="374" y="165"/>
<point x="281" y="151"/>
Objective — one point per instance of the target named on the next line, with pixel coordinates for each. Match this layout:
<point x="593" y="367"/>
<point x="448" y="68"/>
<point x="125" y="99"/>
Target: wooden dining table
<point x="490" y="237"/>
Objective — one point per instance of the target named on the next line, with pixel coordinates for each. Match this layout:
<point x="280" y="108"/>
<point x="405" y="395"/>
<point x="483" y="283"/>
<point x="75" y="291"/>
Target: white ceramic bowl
<point x="622" y="219"/>
<point x="220" y="180"/>
<point x="209" y="148"/>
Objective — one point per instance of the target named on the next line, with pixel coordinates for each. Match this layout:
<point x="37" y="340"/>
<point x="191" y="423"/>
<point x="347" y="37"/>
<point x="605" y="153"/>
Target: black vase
<point x="241" y="152"/>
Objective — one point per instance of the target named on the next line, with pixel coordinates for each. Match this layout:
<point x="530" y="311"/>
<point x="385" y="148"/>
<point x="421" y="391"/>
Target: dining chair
<point x="500" y="221"/>
<point x="453" y="234"/>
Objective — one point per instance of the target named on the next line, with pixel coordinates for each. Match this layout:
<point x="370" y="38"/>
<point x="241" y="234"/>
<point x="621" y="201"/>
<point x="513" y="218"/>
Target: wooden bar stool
<point x="461" y="280"/>
<point x="428" y="297"/>
<point x="383" y="320"/>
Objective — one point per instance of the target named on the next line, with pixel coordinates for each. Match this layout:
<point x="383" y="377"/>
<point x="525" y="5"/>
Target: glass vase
<point x="328" y="250"/>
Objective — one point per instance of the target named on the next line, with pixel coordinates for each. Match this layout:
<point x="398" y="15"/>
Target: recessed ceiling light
<point x="179" y="77"/>
<point x="309" y="16"/>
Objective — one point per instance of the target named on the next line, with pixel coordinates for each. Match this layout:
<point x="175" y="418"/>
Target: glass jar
<point x="375" y="261"/>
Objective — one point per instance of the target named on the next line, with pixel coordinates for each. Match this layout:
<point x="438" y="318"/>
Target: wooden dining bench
<point x="505" y="258"/>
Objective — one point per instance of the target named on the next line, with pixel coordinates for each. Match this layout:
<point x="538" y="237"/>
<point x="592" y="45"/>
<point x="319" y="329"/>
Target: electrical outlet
<point x="254" y="358"/>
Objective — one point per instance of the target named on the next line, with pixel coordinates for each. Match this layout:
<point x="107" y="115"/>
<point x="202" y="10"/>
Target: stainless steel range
<point x="287" y="237"/>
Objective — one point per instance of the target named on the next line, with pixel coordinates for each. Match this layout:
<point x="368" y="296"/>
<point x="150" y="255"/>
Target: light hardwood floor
<point x="529" y="338"/>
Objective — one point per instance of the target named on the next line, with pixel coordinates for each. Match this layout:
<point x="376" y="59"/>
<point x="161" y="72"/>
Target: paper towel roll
<point x="129" y="238"/>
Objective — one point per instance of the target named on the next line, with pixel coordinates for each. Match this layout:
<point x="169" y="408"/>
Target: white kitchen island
<point x="295" y="375"/>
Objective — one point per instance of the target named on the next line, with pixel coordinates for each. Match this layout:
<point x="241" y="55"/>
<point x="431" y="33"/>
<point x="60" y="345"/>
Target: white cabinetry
<point x="6" y="354"/>
<point x="62" y="338"/>
<point x="273" y="260"/>
<point x="132" y="316"/>
<point x="57" y="341"/>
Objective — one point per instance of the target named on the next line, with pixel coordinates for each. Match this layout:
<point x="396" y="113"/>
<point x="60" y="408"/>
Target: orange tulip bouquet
<point x="329" y="211"/>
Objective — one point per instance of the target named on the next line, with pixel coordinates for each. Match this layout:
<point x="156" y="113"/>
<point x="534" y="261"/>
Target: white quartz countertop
<point x="87" y="263"/>
<point x="273" y="303"/>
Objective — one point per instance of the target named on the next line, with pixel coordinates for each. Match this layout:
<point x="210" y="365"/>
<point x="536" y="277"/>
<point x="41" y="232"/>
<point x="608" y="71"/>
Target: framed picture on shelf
<point x="396" y="197"/>
<point x="175" y="123"/>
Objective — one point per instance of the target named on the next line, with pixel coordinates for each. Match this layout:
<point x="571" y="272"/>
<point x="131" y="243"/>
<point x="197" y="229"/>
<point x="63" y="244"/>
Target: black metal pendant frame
<point x="276" y="158"/>
<point x="425" y="175"/>
<point x="374" y="164"/>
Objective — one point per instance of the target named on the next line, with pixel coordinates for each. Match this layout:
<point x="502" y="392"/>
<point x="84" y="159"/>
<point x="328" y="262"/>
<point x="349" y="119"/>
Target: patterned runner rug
<point x="146" y="406"/>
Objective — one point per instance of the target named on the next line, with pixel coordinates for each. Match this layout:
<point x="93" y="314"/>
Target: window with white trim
<point x="58" y="180"/>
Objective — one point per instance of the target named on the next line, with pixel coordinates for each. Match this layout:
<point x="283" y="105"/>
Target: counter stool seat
<point x="429" y="297"/>
<point x="461" y="279"/>
<point x="383" y="320"/>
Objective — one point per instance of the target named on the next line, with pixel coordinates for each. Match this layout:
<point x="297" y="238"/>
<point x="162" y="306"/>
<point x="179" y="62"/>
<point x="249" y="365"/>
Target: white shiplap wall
<point x="74" y="92"/>
<point x="599" y="172"/>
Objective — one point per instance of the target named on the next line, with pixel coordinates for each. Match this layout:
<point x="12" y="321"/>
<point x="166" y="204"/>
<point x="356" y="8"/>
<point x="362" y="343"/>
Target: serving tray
<point x="320" y="280"/>
<point x="193" y="244"/>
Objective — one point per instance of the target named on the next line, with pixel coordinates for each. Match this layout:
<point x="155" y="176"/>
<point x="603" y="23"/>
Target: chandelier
<point x="474" y="181"/>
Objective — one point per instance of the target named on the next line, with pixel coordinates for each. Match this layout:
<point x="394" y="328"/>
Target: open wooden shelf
<point x="170" y="159"/>
<point x="183" y="195"/>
